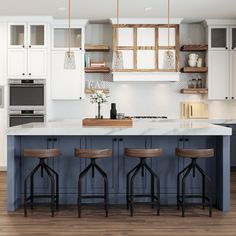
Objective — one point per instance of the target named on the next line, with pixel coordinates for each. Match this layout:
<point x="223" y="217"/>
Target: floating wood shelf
<point x="92" y="122"/>
<point x="97" y="70"/>
<point x="194" y="90"/>
<point x="97" y="48"/>
<point x="90" y="91"/>
<point x="194" y="48"/>
<point x="194" y="70"/>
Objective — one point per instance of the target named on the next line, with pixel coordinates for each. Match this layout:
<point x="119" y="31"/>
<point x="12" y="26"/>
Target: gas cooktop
<point x="148" y="117"/>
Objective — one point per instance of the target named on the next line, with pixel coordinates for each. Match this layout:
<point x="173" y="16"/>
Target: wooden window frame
<point x="156" y="48"/>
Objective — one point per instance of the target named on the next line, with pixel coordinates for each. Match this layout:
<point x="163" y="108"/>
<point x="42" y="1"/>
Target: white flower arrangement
<point x="98" y="97"/>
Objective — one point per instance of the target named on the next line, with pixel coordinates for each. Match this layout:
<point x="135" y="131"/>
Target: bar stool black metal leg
<point x="57" y="185"/>
<point x="52" y="189"/>
<point x="83" y="173"/>
<point x="132" y="189"/>
<point x="103" y="174"/>
<point x="154" y="175"/>
<point x="128" y="185"/>
<point x="183" y="189"/>
<point x="204" y="175"/>
<point x="152" y="190"/>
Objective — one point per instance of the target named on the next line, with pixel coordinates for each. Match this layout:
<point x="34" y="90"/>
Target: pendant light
<point x="69" y="63"/>
<point x="168" y="55"/>
<point x="117" y="60"/>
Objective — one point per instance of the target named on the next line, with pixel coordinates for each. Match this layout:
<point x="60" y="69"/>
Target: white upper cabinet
<point x="22" y="35"/>
<point x="233" y="37"/>
<point x="218" y="76"/>
<point x="218" y="37"/>
<point x="67" y="84"/>
<point x="27" y="50"/>
<point x="221" y="59"/>
<point x="61" y="38"/>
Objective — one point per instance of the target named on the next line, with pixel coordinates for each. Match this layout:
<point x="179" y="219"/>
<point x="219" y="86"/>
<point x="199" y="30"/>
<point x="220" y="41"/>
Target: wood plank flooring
<point x="119" y="223"/>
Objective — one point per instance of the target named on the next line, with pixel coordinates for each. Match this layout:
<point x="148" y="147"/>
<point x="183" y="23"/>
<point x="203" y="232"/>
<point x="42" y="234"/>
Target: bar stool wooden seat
<point x="193" y="154"/>
<point x="142" y="154"/>
<point x="93" y="154"/>
<point x="42" y="154"/>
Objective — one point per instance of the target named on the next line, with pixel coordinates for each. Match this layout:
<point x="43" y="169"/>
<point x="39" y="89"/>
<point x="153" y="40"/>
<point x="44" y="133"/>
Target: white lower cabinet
<point x="67" y="84"/>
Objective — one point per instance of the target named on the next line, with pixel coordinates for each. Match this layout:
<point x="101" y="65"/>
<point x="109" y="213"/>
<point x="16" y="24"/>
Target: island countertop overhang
<point x="140" y="127"/>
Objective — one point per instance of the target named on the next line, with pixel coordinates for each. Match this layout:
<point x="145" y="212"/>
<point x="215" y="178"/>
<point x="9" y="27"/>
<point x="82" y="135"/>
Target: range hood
<point x="146" y="76"/>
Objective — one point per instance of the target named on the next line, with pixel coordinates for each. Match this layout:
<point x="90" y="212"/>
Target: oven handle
<point x="28" y="116"/>
<point x="26" y="85"/>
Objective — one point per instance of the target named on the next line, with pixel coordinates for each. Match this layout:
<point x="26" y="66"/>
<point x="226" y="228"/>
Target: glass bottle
<point x="113" y="111"/>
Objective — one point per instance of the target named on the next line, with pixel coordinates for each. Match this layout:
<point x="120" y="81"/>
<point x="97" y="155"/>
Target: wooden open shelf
<point x="97" y="70"/>
<point x="194" y="48"/>
<point x="194" y="70"/>
<point x="97" y="48"/>
<point x="194" y="91"/>
<point x="90" y="91"/>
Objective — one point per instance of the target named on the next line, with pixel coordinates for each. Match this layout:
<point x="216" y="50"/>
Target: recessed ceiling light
<point x="61" y="8"/>
<point x="148" y="8"/>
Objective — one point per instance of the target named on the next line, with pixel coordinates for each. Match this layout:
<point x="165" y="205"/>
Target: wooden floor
<point x="119" y="223"/>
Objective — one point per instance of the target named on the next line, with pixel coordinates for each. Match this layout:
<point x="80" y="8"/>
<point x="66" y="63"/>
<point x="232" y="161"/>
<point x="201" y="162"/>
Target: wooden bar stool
<point x="42" y="154"/>
<point x="93" y="154"/>
<point x="142" y="154"/>
<point x="193" y="154"/>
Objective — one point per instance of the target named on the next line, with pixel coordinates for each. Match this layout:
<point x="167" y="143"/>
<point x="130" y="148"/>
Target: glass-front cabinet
<point x="219" y="37"/>
<point x="233" y="37"/>
<point x="61" y="38"/>
<point x="27" y="35"/>
<point x="148" y="48"/>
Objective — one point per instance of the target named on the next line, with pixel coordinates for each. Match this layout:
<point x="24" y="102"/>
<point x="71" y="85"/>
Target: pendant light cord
<point x="117" y="21"/>
<point x="168" y="25"/>
<point x="69" y="29"/>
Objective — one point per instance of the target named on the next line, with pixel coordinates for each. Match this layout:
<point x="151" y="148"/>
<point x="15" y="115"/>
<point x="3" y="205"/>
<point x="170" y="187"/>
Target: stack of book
<point x="98" y="64"/>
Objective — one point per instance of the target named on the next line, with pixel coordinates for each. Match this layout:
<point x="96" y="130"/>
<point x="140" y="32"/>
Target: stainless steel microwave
<point x="26" y="94"/>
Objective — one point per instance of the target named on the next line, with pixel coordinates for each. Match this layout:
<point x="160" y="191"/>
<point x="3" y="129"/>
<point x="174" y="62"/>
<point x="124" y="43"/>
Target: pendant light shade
<point x="69" y="63"/>
<point x="117" y="60"/>
<point x="169" y="55"/>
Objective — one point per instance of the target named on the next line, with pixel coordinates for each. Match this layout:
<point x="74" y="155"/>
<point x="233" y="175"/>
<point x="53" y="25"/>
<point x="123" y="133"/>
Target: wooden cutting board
<point x="127" y="122"/>
<point x="196" y="110"/>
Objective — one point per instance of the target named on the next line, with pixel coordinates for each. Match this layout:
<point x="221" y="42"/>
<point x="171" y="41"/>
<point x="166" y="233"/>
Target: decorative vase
<point x="98" y="114"/>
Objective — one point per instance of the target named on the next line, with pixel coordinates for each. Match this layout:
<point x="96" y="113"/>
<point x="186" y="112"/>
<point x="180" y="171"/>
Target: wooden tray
<point x="127" y="122"/>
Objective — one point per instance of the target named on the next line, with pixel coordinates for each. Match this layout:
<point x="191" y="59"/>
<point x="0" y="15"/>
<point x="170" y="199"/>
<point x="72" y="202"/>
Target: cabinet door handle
<point x="181" y="140"/>
<point x="186" y="140"/>
<point x="23" y="73"/>
<point x="115" y="139"/>
<point x="232" y="48"/>
<point x="226" y="97"/>
<point x="23" y="46"/>
<point x="232" y="97"/>
<point x="49" y="140"/>
<point x="121" y="139"/>
<point x="55" y="140"/>
<point x="29" y="46"/>
<point x="29" y="73"/>
<point x="226" y="48"/>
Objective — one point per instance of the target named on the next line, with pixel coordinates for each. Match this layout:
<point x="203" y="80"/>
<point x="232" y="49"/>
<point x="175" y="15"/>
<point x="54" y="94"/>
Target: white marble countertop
<point x="140" y="127"/>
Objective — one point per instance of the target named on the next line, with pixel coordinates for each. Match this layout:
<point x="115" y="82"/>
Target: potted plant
<point x="98" y="97"/>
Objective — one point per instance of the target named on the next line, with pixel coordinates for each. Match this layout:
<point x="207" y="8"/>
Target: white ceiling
<point x="191" y="10"/>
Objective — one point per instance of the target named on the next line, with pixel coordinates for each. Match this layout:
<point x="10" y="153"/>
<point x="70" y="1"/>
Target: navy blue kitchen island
<point x="68" y="135"/>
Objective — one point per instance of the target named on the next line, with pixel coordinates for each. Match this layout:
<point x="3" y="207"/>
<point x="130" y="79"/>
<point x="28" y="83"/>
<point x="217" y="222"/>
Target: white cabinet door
<point x="233" y="74"/>
<point x="17" y="35"/>
<point x="233" y="38"/>
<point x="219" y="37"/>
<point x="218" y="76"/>
<point x="17" y="63"/>
<point x="37" y="35"/>
<point x="67" y="84"/>
<point x="37" y="63"/>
